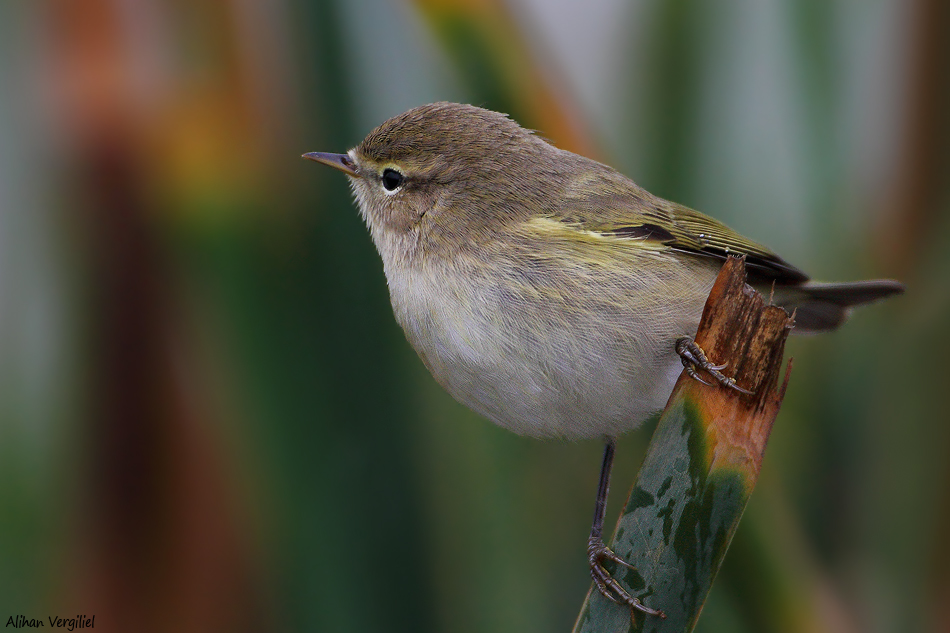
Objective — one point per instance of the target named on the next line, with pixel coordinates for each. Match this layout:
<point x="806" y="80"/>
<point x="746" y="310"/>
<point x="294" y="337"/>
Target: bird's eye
<point x="392" y="179"/>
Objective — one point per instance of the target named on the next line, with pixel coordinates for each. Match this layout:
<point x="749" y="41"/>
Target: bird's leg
<point x="598" y="552"/>
<point x="694" y="358"/>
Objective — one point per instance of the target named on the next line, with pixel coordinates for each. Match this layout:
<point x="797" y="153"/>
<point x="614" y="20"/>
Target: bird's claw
<point x="694" y="358"/>
<point x="597" y="553"/>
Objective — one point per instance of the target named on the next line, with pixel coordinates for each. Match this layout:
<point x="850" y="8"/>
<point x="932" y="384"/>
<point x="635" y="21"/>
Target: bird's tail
<point x="820" y="307"/>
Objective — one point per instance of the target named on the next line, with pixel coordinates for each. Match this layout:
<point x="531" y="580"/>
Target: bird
<point x="548" y="292"/>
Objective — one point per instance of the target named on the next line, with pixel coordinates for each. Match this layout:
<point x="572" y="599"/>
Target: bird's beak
<point x="337" y="161"/>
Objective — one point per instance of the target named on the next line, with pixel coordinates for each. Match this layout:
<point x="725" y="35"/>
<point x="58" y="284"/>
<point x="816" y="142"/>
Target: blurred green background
<point x="209" y="420"/>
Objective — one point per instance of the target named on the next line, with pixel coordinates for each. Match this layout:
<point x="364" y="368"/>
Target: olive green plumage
<point x="543" y="289"/>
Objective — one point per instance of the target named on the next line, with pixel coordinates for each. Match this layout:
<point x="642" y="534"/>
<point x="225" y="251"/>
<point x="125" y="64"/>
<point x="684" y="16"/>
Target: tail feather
<point x="820" y="307"/>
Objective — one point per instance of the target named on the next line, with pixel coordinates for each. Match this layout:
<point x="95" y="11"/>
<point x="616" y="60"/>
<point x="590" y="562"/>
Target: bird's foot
<point x="597" y="553"/>
<point x="694" y="358"/>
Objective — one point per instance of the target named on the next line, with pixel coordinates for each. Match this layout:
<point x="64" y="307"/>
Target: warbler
<point x="545" y="290"/>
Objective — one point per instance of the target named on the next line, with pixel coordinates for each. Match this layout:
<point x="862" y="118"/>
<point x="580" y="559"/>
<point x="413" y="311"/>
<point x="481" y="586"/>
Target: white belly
<point x="533" y="363"/>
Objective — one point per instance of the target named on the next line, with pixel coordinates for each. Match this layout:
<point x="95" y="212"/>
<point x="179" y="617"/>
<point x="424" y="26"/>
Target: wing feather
<point x="613" y="205"/>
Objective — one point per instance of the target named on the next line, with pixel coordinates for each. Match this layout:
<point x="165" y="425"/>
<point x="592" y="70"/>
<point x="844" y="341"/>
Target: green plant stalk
<point x="701" y="466"/>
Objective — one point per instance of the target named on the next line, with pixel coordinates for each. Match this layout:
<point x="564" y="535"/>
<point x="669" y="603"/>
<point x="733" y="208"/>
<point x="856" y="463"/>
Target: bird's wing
<point x="633" y="213"/>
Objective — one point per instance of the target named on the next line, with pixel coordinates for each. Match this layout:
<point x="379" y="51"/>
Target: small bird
<point x="547" y="291"/>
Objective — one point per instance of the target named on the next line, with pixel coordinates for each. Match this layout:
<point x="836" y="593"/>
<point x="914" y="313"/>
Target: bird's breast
<point x="538" y="354"/>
